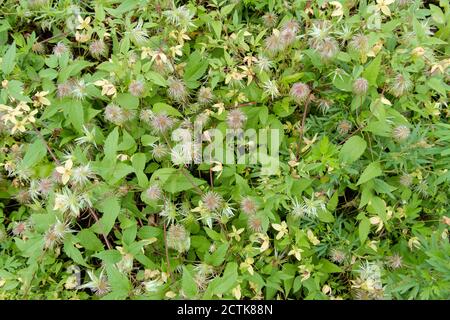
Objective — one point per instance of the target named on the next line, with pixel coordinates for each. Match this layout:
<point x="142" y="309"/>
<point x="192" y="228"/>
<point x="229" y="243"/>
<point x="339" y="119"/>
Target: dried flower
<point x="212" y="201"/>
<point x="236" y="119"/>
<point x="300" y="92"/>
<point x="178" y="238"/>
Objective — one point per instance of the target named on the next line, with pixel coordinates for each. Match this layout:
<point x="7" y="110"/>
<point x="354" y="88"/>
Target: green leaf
<point x="161" y="107"/>
<point x="178" y="182"/>
<point x="110" y="207"/>
<point x="8" y="60"/>
<point x="228" y="281"/>
<point x="325" y="216"/>
<point x="372" y="170"/>
<point x="127" y="101"/>
<point x="75" y="113"/>
<point x="217" y="258"/>
<point x="196" y="66"/>
<point x="111" y="143"/>
<point x="35" y="153"/>
<point x="89" y="240"/>
<point x="371" y="72"/>
<point x="329" y="267"/>
<point x="188" y="284"/>
<point x="120" y="284"/>
<point x="73" y="253"/>
<point x="352" y="149"/>
<point x="363" y="229"/>
<point x="138" y="161"/>
<point x="156" y="78"/>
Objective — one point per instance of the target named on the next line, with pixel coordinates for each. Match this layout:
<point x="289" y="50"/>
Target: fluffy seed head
<point x="59" y="49"/>
<point x="248" y="205"/>
<point x="300" y="92"/>
<point x="159" y="151"/>
<point x="98" y="48"/>
<point x="344" y="127"/>
<point x="406" y="180"/>
<point x="236" y="119"/>
<point x="327" y="49"/>
<point x="360" y="86"/>
<point x="45" y="186"/>
<point x="274" y="43"/>
<point x="114" y="114"/>
<point x="136" y="88"/>
<point x="359" y="43"/>
<point x="38" y="47"/>
<point x="178" y="238"/>
<point x="82" y="174"/>
<point x="401" y="133"/>
<point x="153" y="192"/>
<point x="400" y="85"/>
<point x="395" y="261"/>
<point x="212" y="200"/>
<point x="177" y="90"/>
<point x="270" y="19"/>
<point x="161" y="122"/>
<point x="64" y="90"/>
<point x="205" y="95"/>
<point x="146" y="115"/>
<point x="337" y="255"/>
<point x="254" y="223"/>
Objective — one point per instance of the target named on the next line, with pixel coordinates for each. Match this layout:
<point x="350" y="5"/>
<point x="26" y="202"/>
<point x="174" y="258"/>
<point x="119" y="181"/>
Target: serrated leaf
<point x="35" y="153"/>
<point x="228" y="280"/>
<point x="8" y="60"/>
<point x="196" y="66"/>
<point x="188" y="284"/>
<point x="75" y="114"/>
<point x="110" y="208"/>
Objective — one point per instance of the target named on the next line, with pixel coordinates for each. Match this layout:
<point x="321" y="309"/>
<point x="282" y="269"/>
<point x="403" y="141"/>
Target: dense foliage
<point x="102" y="194"/>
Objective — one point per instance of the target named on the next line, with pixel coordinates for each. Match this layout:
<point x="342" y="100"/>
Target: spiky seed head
<point x="270" y="19"/>
<point x="178" y="238"/>
<point x="59" y="49"/>
<point x="153" y="192"/>
<point x="344" y="127"/>
<point x="23" y="196"/>
<point x="337" y="255"/>
<point x="401" y="133"/>
<point x="400" y="85"/>
<point x="159" y="151"/>
<point x="359" y="43"/>
<point x="300" y="92"/>
<point x="98" y="48"/>
<point x="177" y="90"/>
<point x="205" y="95"/>
<point x="360" y="86"/>
<point x="254" y="223"/>
<point x="212" y="200"/>
<point x="146" y="115"/>
<point x="248" y="205"/>
<point x="38" y="47"/>
<point x="136" y="88"/>
<point x="114" y="114"/>
<point x="236" y="119"/>
<point x="406" y="180"/>
<point x="395" y="261"/>
<point x="64" y="90"/>
<point x="161" y="123"/>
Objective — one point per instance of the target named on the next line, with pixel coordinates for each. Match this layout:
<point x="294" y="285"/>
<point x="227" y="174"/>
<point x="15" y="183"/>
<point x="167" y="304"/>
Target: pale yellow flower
<point x="176" y="51"/>
<point x="220" y="107"/>
<point x="383" y="6"/>
<point x="83" y="23"/>
<point x="247" y="265"/>
<point x="281" y="228"/>
<point x="338" y="12"/>
<point x="108" y="88"/>
<point x="237" y="292"/>
<point x="65" y="171"/>
<point x="236" y="233"/>
<point x="377" y="221"/>
<point x="40" y="99"/>
<point x="296" y="252"/>
<point x="18" y="125"/>
<point x="82" y="37"/>
<point x="312" y="238"/>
